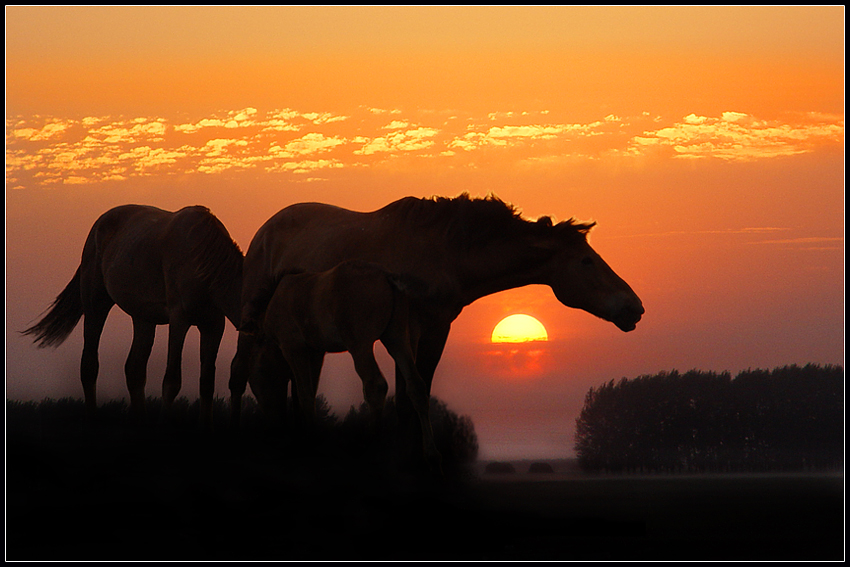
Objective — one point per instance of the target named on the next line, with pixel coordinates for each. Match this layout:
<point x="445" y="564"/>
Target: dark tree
<point x="790" y="418"/>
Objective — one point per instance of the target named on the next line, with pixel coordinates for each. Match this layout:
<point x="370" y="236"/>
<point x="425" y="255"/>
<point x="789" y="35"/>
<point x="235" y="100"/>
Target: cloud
<point x="809" y="242"/>
<point x="145" y="157"/>
<point x="736" y="136"/>
<point x="401" y="141"/>
<point x="306" y="166"/>
<point x="130" y="131"/>
<point x="308" y="144"/>
<point x="508" y="135"/>
<point x="219" y="146"/>
<point x="234" y="119"/>
<point x="382" y="111"/>
<point x="396" y="125"/>
<point x="52" y="150"/>
<point x="46" y="132"/>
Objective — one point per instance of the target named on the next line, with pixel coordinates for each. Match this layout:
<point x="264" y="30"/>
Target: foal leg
<point x="374" y="384"/>
<point x="173" y="379"/>
<point x="300" y="362"/>
<point x="210" y="341"/>
<point x="135" y="369"/>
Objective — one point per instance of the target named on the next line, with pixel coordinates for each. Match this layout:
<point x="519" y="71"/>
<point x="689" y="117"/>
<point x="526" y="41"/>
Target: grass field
<point x="75" y="492"/>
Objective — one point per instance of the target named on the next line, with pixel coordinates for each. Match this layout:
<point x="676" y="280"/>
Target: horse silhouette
<point x="461" y="248"/>
<point x="347" y="309"/>
<point x="177" y="268"/>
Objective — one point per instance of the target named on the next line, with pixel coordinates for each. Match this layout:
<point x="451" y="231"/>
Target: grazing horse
<point x="160" y="267"/>
<point x="461" y="248"/>
<point x="347" y="308"/>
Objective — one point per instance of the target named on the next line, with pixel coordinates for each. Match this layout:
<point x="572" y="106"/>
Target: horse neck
<point x="228" y="298"/>
<point x="493" y="269"/>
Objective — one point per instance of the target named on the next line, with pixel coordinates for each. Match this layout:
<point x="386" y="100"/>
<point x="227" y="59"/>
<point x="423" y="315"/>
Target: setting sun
<point x="519" y="328"/>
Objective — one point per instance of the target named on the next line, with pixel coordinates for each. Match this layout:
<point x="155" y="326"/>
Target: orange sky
<point x="708" y="144"/>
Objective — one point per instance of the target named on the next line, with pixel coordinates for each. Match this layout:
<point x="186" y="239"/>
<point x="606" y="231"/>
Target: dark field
<point x="75" y="492"/>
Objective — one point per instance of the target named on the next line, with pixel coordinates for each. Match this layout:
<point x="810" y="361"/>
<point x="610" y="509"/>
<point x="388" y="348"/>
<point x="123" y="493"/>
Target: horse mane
<point x="475" y="221"/>
<point x="217" y="257"/>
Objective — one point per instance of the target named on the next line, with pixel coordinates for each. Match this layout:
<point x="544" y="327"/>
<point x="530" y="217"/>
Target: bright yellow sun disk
<point x="519" y="328"/>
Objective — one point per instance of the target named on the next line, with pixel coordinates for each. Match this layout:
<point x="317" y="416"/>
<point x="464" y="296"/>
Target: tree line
<point x="788" y="418"/>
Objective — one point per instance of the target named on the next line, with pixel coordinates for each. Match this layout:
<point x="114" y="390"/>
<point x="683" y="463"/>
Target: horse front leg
<point x="240" y="367"/>
<point x="419" y="397"/>
<point x="135" y="369"/>
<point x="210" y="342"/>
<point x="269" y="375"/>
<point x="427" y="349"/>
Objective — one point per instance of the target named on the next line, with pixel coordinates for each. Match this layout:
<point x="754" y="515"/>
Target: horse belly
<point x="139" y="298"/>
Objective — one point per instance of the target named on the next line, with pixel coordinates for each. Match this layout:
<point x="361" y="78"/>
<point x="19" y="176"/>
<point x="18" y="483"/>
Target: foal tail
<point x="64" y="314"/>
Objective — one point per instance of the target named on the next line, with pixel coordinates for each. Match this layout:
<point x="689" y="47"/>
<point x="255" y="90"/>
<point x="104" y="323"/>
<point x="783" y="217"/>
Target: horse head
<point x="581" y="279"/>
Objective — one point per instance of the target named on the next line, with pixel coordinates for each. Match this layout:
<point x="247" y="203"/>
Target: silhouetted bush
<point x="790" y="418"/>
<point x="337" y="445"/>
<point x="454" y="434"/>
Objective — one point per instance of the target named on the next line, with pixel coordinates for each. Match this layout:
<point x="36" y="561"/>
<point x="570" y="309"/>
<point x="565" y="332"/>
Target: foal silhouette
<point x="176" y="268"/>
<point x="348" y="308"/>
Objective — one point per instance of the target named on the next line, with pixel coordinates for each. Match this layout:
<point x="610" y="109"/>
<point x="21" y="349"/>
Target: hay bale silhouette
<point x="540" y="468"/>
<point x="497" y="467"/>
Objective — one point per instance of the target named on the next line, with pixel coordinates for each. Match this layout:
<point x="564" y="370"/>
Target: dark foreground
<point x="77" y="493"/>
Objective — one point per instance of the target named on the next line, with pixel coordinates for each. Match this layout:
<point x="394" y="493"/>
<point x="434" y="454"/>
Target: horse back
<point x="202" y="265"/>
<point x="149" y="260"/>
<point x="122" y="258"/>
<point x="315" y="237"/>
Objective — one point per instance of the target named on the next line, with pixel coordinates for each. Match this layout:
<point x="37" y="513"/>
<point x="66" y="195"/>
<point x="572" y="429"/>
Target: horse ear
<point x="545" y="237"/>
<point x="554" y="237"/>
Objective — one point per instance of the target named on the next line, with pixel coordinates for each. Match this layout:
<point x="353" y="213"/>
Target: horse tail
<point x="64" y="314"/>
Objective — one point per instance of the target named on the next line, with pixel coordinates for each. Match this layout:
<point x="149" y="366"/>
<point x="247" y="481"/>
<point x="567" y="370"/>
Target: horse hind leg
<point x="95" y="319"/>
<point x="173" y="379"/>
<point x="135" y="369"/>
<point x="210" y="343"/>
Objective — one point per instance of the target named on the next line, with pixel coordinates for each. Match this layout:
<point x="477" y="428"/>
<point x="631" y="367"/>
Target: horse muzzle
<point x="628" y="316"/>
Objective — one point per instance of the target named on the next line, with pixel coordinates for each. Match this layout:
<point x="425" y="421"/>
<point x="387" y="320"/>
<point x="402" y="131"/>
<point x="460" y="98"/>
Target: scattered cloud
<point x="810" y="242"/>
<point x="46" y="132"/>
<point x="306" y="145"/>
<point x="401" y="141"/>
<point x="735" y="136"/>
<point x="54" y="150"/>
